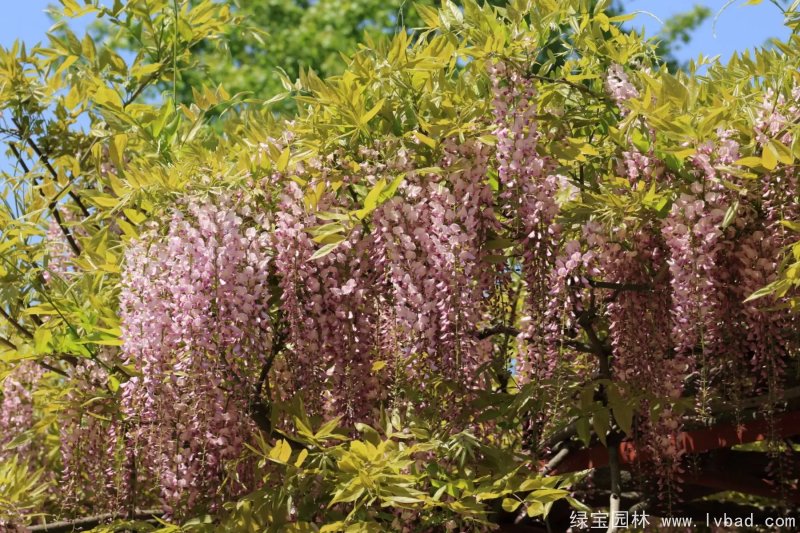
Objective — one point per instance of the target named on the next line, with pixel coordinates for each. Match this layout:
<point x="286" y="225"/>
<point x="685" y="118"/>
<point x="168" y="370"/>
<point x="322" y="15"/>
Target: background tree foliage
<point x="273" y="37"/>
<point x="274" y="40"/>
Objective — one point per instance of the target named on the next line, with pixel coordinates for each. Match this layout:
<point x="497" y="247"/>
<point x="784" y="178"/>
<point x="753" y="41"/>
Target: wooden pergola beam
<point x="688" y="442"/>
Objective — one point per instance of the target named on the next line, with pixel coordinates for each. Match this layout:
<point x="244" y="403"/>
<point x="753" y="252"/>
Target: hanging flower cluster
<point x="429" y="244"/>
<point x="195" y="309"/>
<point x="59" y="254"/>
<point x="330" y="316"/>
<point x="618" y="85"/>
<point x="91" y="469"/>
<point x="17" y="408"/>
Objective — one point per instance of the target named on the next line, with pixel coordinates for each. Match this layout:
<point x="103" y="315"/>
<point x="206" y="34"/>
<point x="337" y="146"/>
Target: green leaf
<point x="116" y="150"/>
<point x="601" y="422"/>
<point x="401" y="499"/>
<point x="281" y="452"/>
<point x="622" y="410"/>
<point x="41" y="340"/>
<point x="749" y="162"/>
<point x="424" y="139"/>
<point x="499" y="244"/>
<point x="535" y="509"/>
<point x="782" y="153"/>
<point x="325" y="250"/>
<point x="108" y="97"/>
<point x="328" y="428"/>
<point x="301" y="457"/>
<point x="351" y="493"/>
<point x="547" y="495"/>
<point x="372" y="112"/>
<point x="578" y="505"/>
<point x="283" y="160"/>
<point x="641" y="142"/>
<point x="105" y="201"/>
<point x="794" y="226"/>
<point x="429" y="15"/>
<point x="531" y="484"/>
<point x="769" y="157"/>
<point x="371" y="201"/>
<point x="760" y="293"/>
<point x="510" y="504"/>
<point x="584" y="430"/>
<point x="730" y="214"/>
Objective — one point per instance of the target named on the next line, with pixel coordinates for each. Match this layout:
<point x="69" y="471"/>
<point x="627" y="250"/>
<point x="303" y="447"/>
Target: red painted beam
<point x="732" y="480"/>
<point x="689" y="442"/>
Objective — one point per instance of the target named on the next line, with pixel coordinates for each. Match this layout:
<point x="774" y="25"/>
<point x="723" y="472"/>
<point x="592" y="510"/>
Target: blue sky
<point x="738" y="27"/>
<point x="26" y="20"/>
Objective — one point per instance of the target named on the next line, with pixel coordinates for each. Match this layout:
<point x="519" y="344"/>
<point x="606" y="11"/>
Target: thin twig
<point x="496" y="330"/>
<point x="72" y="194"/>
<point x="578" y="346"/>
<point x="89" y="522"/>
<point x="11" y="320"/>
<point x="577" y="86"/>
<point x="41" y="363"/>
<point x="53" y="206"/>
<point x="636" y="287"/>
<point x="8" y="343"/>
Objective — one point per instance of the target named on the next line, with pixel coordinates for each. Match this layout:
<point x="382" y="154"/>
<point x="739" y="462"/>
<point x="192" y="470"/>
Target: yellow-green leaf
<point x="283" y="160"/>
<point x="372" y="112"/>
<point x="769" y="157"/>
<point x="106" y="96"/>
<point x="281" y="452"/>
<point x="325" y="250"/>
<point x="301" y="457"/>
<point x="510" y="504"/>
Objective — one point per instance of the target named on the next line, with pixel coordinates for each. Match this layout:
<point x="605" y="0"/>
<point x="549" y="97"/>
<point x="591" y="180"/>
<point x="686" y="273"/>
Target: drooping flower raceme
<point x="196" y="329"/>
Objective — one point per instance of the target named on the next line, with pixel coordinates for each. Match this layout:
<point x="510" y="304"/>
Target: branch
<point x="600" y="348"/>
<point x="603" y="352"/>
<point x="88" y="522"/>
<point x="263" y="381"/>
<point x="553" y="463"/>
<point x="17" y="325"/>
<point x="43" y="158"/>
<point x="563" y="434"/>
<point x="496" y="330"/>
<point x="637" y="287"/>
<point x="8" y="343"/>
<point x="145" y="82"/>
<point x="41" y="363"/>
<point x="51" y="205"/>
<point x="54" y="174"/>
<point x="52" y="368"/>
<point x="579" y="346"/>
<point x="614" y="498"/>
<point x="261" y="410"/>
